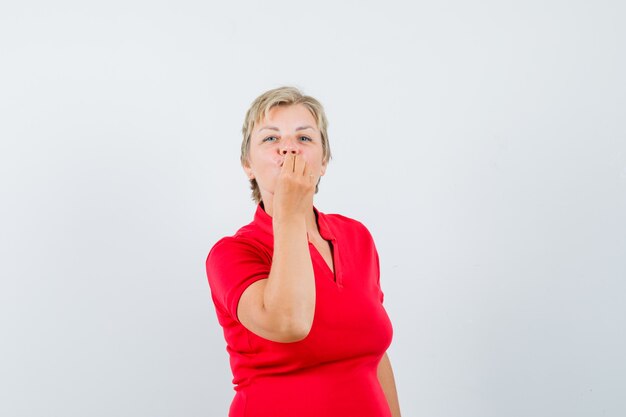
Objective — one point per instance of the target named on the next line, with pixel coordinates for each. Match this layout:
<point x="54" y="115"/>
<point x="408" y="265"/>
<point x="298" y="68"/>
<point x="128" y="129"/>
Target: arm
<point x="290" y="289"/>
<point x="387" y="382"/>
<point x="281" y="307"/>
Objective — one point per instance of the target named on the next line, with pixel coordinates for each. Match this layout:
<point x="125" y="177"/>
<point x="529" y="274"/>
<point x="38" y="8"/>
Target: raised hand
<point x="294" y="189"/>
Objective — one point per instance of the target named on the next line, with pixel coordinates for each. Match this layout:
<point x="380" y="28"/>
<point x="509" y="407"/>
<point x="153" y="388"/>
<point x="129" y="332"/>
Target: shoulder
<point x="245" y="240"/>
<point x="235" y="246"/>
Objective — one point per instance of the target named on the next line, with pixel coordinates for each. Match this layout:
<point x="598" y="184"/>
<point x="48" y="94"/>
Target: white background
<point x="482" y="143"/>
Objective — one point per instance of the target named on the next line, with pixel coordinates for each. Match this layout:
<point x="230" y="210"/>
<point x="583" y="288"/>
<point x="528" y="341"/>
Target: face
<point x="284" y="129"/>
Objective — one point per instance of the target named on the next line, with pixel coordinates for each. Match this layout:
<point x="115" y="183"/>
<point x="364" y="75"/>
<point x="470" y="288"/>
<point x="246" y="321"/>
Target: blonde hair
<point x="281" y="96"/>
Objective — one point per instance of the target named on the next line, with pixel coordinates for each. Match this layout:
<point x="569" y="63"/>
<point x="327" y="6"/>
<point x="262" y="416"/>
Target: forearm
<point x="387" y="382"/>
<point x="290" y="290"/>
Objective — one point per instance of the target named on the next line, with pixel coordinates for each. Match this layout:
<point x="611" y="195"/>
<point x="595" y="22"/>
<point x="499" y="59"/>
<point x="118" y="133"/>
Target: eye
<point x="273" y="138"/>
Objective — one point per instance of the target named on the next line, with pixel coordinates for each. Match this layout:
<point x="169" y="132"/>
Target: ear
<point x="248" y="170"/>
<point x="323" y="170"/>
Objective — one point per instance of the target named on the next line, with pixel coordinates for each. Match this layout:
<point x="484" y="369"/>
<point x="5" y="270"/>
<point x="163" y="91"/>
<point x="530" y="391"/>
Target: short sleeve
<point x="231" y="266"/>
<point x="375" y="262"/>
<point x="381" y="294"/>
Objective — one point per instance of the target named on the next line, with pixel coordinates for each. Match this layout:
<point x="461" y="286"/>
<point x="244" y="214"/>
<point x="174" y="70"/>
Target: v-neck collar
<point x="263" y="222"/>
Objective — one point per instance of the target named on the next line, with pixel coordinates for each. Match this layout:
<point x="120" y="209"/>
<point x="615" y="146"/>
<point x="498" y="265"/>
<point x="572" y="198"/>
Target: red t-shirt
<point x="333" y="371"/>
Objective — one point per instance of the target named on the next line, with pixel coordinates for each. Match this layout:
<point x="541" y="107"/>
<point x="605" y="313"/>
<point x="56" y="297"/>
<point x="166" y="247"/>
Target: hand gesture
<point x="295" y="186"/>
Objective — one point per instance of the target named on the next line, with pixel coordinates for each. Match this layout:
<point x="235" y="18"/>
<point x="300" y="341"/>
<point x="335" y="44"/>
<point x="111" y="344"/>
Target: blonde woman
<point x="297" y="291"/>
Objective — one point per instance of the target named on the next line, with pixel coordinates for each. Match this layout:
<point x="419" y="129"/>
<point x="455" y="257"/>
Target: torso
<point x="338" y="358"/>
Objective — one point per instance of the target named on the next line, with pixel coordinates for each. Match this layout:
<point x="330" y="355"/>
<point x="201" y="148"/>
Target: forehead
<point x="287" y="117"/>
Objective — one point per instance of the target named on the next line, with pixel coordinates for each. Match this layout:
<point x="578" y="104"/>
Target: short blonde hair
<point x="281" y="96"/>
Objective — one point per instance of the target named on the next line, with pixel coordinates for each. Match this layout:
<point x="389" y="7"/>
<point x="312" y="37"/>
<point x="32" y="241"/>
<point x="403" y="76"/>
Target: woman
<point x="297" y="291"/>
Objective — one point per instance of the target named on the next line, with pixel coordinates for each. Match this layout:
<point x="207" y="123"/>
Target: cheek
<point x="268" y="173"/>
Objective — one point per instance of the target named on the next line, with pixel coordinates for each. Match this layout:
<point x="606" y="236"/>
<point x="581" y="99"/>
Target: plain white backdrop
<point x="482" y="143"/>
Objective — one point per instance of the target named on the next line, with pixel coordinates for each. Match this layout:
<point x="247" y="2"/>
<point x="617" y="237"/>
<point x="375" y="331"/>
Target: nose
<point x="289" y="147"/>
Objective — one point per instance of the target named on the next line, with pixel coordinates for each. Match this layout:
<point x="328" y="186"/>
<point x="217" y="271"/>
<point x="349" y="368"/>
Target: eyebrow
<point x="278" y="130"/>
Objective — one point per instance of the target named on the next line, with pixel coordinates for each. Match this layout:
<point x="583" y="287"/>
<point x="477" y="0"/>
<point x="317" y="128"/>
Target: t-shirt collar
<point x="264" y="222"/>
